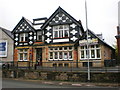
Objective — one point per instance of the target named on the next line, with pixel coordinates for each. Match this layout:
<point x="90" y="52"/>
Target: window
<point x="82" y="54"/>
<point x="98" y="53"/>
<point x="65" y="55"/>
<point x="85" y="64"/>
<point x="51" y="55"/>
<point x="60" y="53"/>
<point x="60" y="65"/>
<point x="70" y="55"/>
<point x="23" y="56"/>
<point x="23" y="37"/>
<point x="39" y="36"/>
<point x="61" y="31"/>
<point x="56" y="55"/>
<point x="66" y="65"/>
<point x="54" y="65"/>
<point x="94" y="52"/>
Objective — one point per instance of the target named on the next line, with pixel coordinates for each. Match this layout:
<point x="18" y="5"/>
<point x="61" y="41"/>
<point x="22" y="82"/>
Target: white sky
<point x="102" y="14"/>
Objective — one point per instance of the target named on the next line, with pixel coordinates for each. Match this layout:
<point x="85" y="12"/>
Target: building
<point x="49" y="42"/>
<point x="6" y="45"/>
<point x="100" y="53"/>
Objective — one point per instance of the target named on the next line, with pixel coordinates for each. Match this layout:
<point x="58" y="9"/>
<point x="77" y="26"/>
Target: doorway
<point x="39" y="56"/>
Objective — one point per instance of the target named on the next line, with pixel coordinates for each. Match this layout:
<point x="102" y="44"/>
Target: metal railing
<point x="57" y="66"/>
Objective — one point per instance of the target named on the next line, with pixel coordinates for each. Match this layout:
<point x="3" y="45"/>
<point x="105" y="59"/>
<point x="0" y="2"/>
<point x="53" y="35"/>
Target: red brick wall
<point x="31" y="54"/>
<point x="15" y="55"/>
<point x="75" y="55"/>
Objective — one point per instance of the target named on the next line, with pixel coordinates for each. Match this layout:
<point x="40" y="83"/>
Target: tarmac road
<point x="15" y="83"/>
<point x="9" y="83"/>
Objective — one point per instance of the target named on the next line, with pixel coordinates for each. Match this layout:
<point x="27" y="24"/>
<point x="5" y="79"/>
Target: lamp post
<point x="87" y="42"/>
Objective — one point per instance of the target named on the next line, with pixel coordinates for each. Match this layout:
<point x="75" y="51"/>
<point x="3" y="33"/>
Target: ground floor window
<point x="60" y="53"/>
<point x="85" y="64"/>
<point x="23" y="55"/>
<point x="94" y="52"/>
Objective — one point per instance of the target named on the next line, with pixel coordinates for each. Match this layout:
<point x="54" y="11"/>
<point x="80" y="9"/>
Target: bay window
<point x="94" y="52"/>
<point x="61" y="31"/>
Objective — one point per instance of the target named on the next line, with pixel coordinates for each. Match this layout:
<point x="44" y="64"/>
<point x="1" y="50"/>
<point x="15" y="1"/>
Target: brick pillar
<point x="15" y="56"/>
<point x="31" y="54"/>
<point x="31" y="57"/>
<point x="75" y="58"/>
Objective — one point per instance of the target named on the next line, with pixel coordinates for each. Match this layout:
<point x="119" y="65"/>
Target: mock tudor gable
<point x="62" y="28"/>
<point x="24" y="33"/>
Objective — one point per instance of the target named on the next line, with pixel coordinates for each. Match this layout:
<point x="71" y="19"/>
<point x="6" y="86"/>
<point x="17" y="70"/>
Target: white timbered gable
<point x="62" y="27"/>
<point x="24" y="33"/>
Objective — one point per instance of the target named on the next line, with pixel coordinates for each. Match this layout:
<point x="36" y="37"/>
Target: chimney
<point x="118" y="30"/>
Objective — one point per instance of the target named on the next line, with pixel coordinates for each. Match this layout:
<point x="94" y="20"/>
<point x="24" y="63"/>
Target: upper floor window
<point x="24" y="37"/>
<point x="61" y="31"/>
<point x="39" y="36"/>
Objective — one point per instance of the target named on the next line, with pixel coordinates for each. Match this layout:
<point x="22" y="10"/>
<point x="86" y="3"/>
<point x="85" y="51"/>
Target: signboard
<point x="3" y="48"/>
<point x="92" y="41"/>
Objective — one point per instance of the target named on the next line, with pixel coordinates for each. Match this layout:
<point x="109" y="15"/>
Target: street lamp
<point x="87" y="42"/>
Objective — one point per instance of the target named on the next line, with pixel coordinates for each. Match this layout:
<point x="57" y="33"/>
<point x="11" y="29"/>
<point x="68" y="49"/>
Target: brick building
<point x="53" y="42"/>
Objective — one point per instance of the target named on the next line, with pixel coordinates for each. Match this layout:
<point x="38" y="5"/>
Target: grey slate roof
<point x="7" y="32"/>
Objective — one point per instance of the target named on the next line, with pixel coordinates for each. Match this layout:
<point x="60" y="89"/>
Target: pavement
<point x="77" y="84"/>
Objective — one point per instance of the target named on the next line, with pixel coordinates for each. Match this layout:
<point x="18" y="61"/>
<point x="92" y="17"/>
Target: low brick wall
<point x="61" y="76"/>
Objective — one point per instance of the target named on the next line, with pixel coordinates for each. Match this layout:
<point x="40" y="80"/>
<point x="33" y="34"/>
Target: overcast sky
<point x="102" y="14"/>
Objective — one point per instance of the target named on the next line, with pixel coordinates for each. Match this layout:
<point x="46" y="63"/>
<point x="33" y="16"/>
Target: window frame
<point x="63" y="51"/>
<point x="84" y="50"/>
<point x="23" y="52"/>
<point x="23" y="35"/>
<point x="60" y="32"/>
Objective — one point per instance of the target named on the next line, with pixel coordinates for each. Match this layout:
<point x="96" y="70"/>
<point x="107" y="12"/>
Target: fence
<point x="60" y="67"/>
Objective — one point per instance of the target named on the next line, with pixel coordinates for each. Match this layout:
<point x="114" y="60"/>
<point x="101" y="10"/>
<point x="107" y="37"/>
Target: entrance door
<point x="39" y="56"/>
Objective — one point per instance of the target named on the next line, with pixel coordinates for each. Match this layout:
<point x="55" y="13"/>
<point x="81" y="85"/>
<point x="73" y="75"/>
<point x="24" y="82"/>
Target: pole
<point x="87" y="42"/>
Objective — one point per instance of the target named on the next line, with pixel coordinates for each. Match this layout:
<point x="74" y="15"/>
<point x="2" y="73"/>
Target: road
<point x="10" y="83"/>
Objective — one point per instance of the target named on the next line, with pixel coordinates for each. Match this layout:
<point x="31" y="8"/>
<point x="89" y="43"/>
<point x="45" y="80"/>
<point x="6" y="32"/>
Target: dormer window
<point x="61" y="31"/>
<point x="23" y="37"/>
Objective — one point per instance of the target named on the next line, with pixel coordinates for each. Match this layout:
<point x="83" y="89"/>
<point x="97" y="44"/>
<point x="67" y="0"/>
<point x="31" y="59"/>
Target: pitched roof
<point x="26" y="20"/>
<point x="59" y="9"/>
<point x="93" y="34"/>
<point x="7" y="32"/>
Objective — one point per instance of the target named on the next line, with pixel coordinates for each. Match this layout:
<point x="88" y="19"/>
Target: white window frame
<point x="95" y="51"/>
<point x="57" y="29"/>
<point x="23" y="35"/>
<point x="58" y="52"/>
<point x="24" y="51"/>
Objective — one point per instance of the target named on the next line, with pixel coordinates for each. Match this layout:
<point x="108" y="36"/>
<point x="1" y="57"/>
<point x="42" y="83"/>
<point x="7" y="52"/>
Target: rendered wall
<point x="10" y="42"/>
